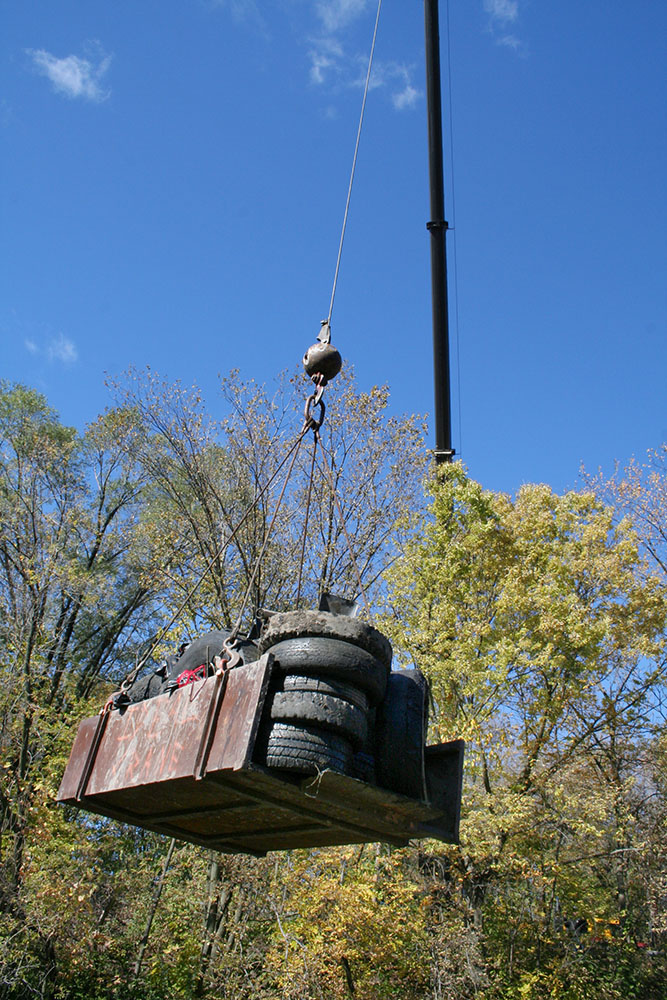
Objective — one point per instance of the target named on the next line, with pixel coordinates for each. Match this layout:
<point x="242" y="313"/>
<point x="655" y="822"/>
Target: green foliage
<point x="102" y="537"/>
<point x="357" y="927"/>
<point x="542" y="631"/>
<point x="214" y="490"/>
<point x="539" y="620"/>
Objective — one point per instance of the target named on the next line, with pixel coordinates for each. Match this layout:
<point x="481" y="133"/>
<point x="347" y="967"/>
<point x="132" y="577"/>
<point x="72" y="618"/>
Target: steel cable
<point x="294" y="448"/>
<point x="239" y="619"/>
<point x="305" y="521"/>
<point x="354" y="162"/>
<point x="341" y="518"/>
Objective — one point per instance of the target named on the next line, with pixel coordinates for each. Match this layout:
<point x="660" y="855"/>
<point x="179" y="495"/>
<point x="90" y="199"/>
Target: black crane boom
<point x="438" y="229"/>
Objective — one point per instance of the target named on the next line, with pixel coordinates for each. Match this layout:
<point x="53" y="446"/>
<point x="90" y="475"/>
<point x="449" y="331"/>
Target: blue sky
<point x="174" y="178"/>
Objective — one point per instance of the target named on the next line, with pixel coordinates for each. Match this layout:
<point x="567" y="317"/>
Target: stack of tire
<point x="334" y="703"/>
<point x="330" y="672"/>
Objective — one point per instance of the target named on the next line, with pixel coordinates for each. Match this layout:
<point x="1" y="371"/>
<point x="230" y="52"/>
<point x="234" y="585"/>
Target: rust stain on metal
<point x="181" y="765"/>
<point x="240" y="713"/>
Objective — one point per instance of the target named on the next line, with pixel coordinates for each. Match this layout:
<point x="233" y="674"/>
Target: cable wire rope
<point x="341" y="519"/>
<point x="292" y="451"/>
<point x="354" y="162"/>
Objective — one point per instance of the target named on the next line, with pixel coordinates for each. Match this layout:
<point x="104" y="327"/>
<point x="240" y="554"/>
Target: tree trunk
<point x="219" y="897"/>
<point x="157" y="892"/>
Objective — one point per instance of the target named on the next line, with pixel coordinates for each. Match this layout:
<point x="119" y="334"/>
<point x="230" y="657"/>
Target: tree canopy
<point x="541" y="628"/>
<point x="540" y="621"/>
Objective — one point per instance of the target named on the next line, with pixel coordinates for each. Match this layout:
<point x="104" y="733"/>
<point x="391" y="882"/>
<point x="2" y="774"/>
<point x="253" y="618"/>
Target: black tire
<point x="400" y="733"/>
<point x="205" y="648"/>
<point x="323" y="711"/>
<point x="322" y="685"/>
<point x="298" y="624"/>
<point x="149" y="686"/>
<point x="363" y="767"/>
<point x="307" y="750"/>
<point x="321" y="656"/>
<point x="201" y="650"/>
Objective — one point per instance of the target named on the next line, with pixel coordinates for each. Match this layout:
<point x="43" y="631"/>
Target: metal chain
<point x="341" y="518"/>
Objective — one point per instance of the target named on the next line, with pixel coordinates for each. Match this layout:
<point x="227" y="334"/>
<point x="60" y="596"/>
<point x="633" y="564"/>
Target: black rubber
<point x="149" y="686"/>
<point x="201" y="650"/>
<point x="206" y="647"/>
<point x="307" y="750"/>
<point x="297" y="624"/>
<point x="322" y="685"/>
<point x="400" y="734"/>
<point x="333" y="659"/>
<point x="323" y="711"/>
<point x="363" y="768"/>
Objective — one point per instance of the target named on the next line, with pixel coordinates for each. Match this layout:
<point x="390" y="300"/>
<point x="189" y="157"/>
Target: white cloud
<point x="61" y="348"/>
<point x="58" y="349"/>
<point x="502" y="10"/>
<point x="326" y="60"/>
<point x="406" y="98"/>
<point x="397" y="77"/>
<point x="509" y="41"/>
<point x="337" y="14"/>
<point x="336" y="62"/>
<point x="73" y="76"/>
<point x="319" y="64"/>
<point x="331" y="65"/>
<point x="242" y="10"/>
<point x="502" y="14"/>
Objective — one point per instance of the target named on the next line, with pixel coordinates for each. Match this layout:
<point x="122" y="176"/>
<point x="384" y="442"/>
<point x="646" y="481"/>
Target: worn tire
<point x="307" y="750"/>
<point x="363" y="767"/>
<point x="323" y="685"/>
<point x="400" y="733"/>
<point x="149" y="686"/>
<point x="335" y="659"/>
<point x="201" y="650"/>
<point x="299" y="624"/>
<point x="205" y="648"/>
<point x="323" y="711"/>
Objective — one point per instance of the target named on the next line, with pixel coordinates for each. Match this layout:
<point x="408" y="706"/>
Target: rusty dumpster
<point x="182" y="765"/>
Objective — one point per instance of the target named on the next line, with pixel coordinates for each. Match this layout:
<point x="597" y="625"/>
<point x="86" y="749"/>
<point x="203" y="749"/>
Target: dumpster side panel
<point x="240" y="713"/>
<point x="77" y="759"/>
<point x="154" y="741"/>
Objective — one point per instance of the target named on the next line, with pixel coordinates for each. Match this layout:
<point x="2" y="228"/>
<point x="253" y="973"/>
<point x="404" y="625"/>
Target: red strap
<point x="189" y="676"/>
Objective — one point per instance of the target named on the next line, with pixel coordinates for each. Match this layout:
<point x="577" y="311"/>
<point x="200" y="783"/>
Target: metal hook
<point x="310" y="423"/>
